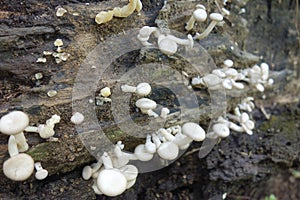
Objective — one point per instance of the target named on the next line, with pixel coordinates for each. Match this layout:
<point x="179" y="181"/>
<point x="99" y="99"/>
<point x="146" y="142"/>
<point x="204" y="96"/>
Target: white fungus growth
<point x="58" y="42"/>
<point x="41" y="60"/>
<point x="198" y="15"/>
<point x="105" y="92"/>
<point x="52" y="93"/>
<point x="40" y="172"/>
<point x="14" y="123"/>
<point x="125" y="11"/>
<point x="60" y="12"/>
<point x="77" y="118"/>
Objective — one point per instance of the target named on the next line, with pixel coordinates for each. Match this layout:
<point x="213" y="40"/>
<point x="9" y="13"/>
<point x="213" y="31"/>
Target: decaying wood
<point x="21" y="46"/>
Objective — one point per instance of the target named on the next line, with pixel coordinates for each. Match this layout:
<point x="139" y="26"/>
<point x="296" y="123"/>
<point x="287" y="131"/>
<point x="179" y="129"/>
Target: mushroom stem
<point x="190" y="23"/>
<point x="168" y="136"/>
<point x="12" y="146"/>
<point x="149" y="145"/>
<point x="21" y="142"/>
<point x="33" y="129"/>
<point x="106" y="160"/>
<point x="206" y="31"/>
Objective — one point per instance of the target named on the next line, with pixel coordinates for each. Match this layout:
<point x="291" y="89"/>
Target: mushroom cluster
<point x="19" y="166"/>
<point x="167" y="43"/>
<point x="230" y="78"/>
<point x="113" y="174"/>
<point x="200" y="15"/>
<point x="125" y="11"/>
<point x="222" y="126"/>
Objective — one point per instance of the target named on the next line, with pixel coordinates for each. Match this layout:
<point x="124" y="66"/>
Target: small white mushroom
<point x="199" y="15"/>
<point x="142" y="89"/>
<point x="150" y="147"/>
<point x="77" y="118"/>
<point x="105" y="92"/>
<point x="147" y="105"/>
<point x="14" y="123"/>
<point x="216" y="18"/>
<point x="228" y="63"/>
<point x="168" y="44"/>
<point x="45" y="130"/>
<point x="19" y="167"/>
<point x="168" y="150"/>
<point x="40" y="172"/>
<point x="164" y="112"/>
<point x="142" y="154"/>
<point x="219" y="130"/>
<point x="58" y="43"/>
<point x="130" y="172"/>
<point x="87" y="172"/>
<point x="110" y="181"/>
<point x="60" y="12"/>
<point x="144" y="34"/>
<point x="121" y="158"/>
<point x="192" y="132"/>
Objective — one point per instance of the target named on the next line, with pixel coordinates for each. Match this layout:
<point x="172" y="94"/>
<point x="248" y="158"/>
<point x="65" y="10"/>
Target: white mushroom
<point x="216" y="18"/>
<point x="164" y="112"/>
<point x="168" y="44"/>
<point x="45" y="130"/>
<point x="219" y="130"/>
<point x="168" y="150"/>
<point x="130" y="172"/>
<point x="110" y="181"/>
<point x="142" y="154"/>
<point x="105" y="92"/>
<point x="199" y="15"/>
<point x="40" y="172"/>
<point x="147" y="105"/>
<point x="121" y="158"/>
<point x="19" y="167"/>
<point x="77" y="118"/>
<point x="228" y="63"/>
<point x="144" y="34"/>
<point x="87" y="172"/>
<point x="14" y="123"/>
<point x="150" y="147"/>
<point x="142" y="89"/>
<point x="192" y="132"/>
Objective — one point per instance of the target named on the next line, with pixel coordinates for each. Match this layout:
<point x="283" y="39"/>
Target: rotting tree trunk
<point x="21" y="44"/>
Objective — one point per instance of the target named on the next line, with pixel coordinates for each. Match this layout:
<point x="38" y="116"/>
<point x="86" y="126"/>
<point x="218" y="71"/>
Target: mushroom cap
<point x="221" y="130"/>
<point x="77" y="118"/>
<point x="130" y="183"/>
<point x="228" y="63"/>
<point x="145" y="104"/>
<point x="14" y="122"/>
<point x="168" y="150"/>
<point x="143" y="89"/>
<point x="194" y="131"/>
<point x="216" y="17"/>
<point x="211" y="80"/>
<point x="111" y="182"/>
<point x="41" y="174"/>
<point x="130" y="172"/>
<point x="167" y="46"/>
<point x="18" y="167"/>
<point x="87" y="172"/>
<point x="200" y="14"/>
<point x="141" y="153"/>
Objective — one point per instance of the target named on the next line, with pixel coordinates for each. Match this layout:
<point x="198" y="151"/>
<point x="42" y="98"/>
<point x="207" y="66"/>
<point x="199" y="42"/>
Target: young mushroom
<point x="77" y="118"/>
<point x="168" y="44"/>
<point x="147" y="105"/>
<point x="45" y="130"/>
<point x="219" y="130"/>
<point x="142" y="89"/>
<point x="199" y="15"/>
<point x="191" y="132"/>
<point x="19" y="166"/>
<point x="14" y="123"/>
<point x="111" y="182"/>
<point x="40" y="172"/>
<point x="216" y="18"/>
<point x="142" y="153"/>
